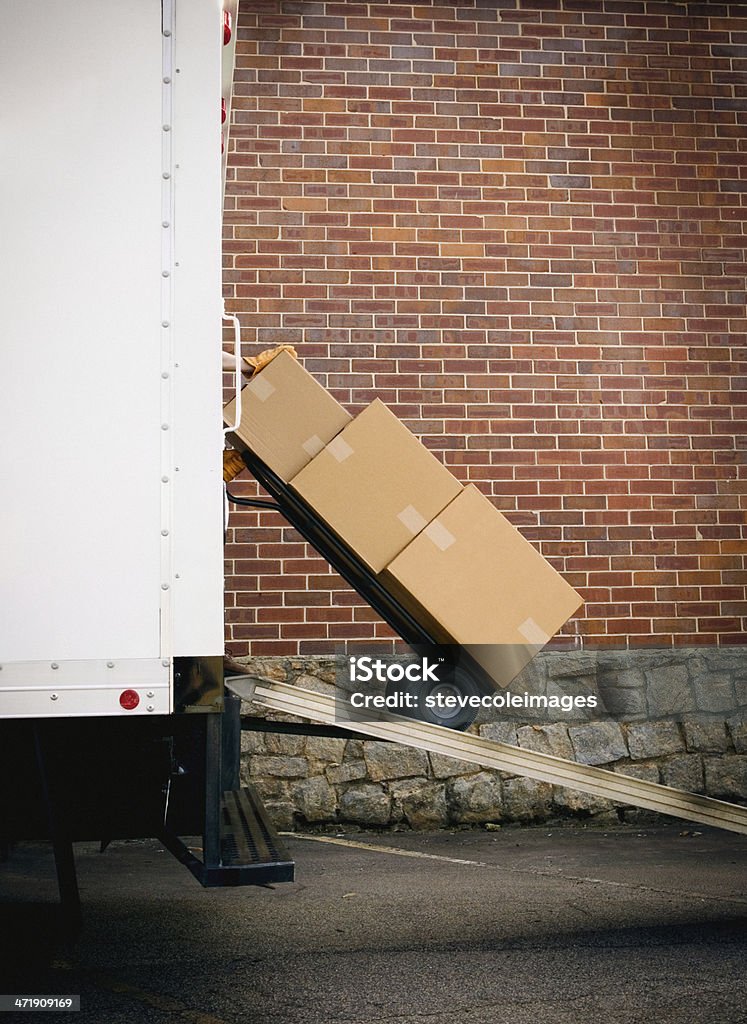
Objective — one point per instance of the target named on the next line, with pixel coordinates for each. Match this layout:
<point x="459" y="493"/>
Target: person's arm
<point x="229" y="363"/>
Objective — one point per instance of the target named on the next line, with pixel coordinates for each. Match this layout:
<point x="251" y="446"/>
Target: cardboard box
<point x="376" y="485"/>
<point x="287" y="417"/>
<point x="472" y="579"/>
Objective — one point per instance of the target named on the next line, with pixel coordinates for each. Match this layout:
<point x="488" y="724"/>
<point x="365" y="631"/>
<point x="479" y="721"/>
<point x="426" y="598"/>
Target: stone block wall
<point x="676" y="716"/>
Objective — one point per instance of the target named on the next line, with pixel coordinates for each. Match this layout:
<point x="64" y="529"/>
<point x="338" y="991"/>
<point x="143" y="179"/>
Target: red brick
<point x="510" y="253"/>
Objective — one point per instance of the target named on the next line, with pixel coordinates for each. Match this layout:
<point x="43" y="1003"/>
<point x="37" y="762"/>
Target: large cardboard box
<point x="287" y="417"/>
<point x="472" y="579"/>
<point x="376" y="485"/>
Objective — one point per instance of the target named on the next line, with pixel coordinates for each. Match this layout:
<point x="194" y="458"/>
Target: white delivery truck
<point x="111" y="574"/>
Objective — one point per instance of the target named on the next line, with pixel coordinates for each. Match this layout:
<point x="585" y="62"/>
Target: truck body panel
<point x="112" y="560"/>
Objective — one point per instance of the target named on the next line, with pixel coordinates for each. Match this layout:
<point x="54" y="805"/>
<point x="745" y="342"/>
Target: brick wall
<point x="520" y="224"/>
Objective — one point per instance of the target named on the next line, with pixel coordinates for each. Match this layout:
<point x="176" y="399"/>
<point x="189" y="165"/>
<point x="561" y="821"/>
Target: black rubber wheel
<point x="454" y="684"/>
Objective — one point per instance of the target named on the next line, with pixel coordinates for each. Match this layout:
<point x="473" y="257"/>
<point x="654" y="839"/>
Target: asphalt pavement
<point x="566" y="925"/>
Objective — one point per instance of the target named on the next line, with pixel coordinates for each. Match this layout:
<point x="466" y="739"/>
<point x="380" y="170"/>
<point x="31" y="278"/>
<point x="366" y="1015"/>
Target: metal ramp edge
<point x="319" y="707"/>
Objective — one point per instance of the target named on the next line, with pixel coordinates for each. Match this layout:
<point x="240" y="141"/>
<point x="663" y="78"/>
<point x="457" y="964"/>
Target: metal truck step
<point x="251" y="852"/>
<point x="249" y="842"/>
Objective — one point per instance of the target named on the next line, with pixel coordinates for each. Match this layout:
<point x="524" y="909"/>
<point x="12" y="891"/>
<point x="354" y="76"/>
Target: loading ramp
<point x="600" y="782"/>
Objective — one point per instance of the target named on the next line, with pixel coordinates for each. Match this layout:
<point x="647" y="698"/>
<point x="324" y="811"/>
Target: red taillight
<point x="226" y="28"/>
<point x="129" y="699"/>
<point x="222" y="111"/>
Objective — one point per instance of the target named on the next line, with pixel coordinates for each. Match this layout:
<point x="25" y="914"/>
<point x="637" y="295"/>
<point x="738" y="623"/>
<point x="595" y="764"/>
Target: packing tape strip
<point x="339" y="449"/>
<point x="261" y="388"/>
<point x="533" y="633"/>
<point x="439" y="535"/>
<point x="313" y="445"/>
<point x="412" y="520"/>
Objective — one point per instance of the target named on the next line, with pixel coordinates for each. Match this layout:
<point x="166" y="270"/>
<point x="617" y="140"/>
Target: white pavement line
<point x="534" y="872"/>
<point x="385" y="849"/>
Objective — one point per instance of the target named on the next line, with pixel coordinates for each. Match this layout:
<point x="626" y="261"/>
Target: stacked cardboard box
<point x="376" y="485"/>
<point x="443" y="550"/>
<point x="474" y="580"/>
<point x="287" y="417"/>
